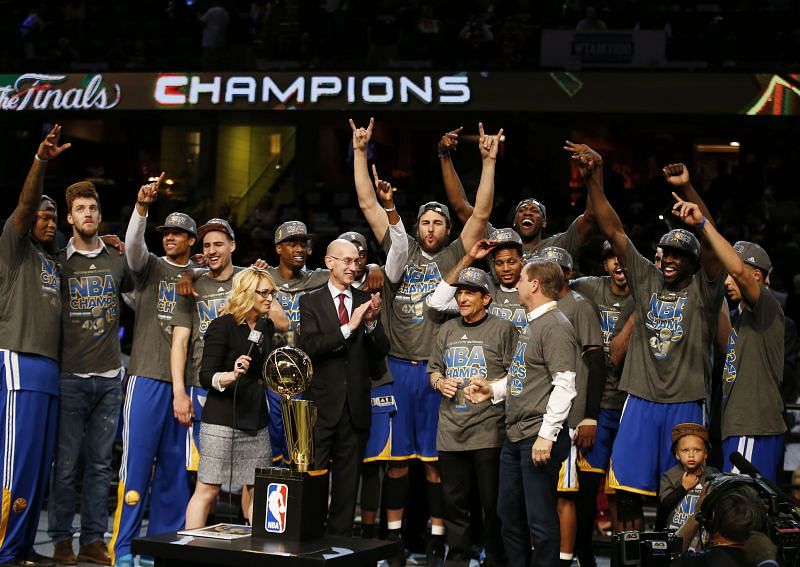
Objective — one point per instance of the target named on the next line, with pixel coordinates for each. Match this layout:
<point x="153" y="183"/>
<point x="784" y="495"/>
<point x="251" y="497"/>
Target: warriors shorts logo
<point x="19" y="505"/>
<point x="131" y="498"/>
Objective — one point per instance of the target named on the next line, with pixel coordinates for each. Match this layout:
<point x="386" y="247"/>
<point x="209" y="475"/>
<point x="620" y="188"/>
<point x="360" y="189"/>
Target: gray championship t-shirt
<point x="288" y="297"/>
<point x="668" y="357"/>
<point x="505" y="305"/>
<point x="409" y="323"/>
<point x="609" y="307"/>
<point x="465" y="351"/>
<point x="580" y="313"/>
<point x="196" y="313"/>
<point x="549" y="345"/>
<point x="751" y="379"/>
<point x="671" y="481"/>
<point x="30" y="302"/>
<point x="90" y="325"/>
<point x="156" y="298"/>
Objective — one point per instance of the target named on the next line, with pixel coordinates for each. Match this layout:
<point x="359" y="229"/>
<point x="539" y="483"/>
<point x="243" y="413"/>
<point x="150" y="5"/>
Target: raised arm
<point x="601" y="209"/>
<point x="484" y="200"/>
<point x="376" y="217"/>
<point x="590" y="166"/>
<point x="398" y="251"/>
<point x="134" y="237"/>
<point x="452" y="183"/>
<point x="31" y="195"/>
<point x="677" y="176"/>
<point x="724" y="253"/>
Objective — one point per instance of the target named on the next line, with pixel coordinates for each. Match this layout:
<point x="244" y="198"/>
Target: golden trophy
<point x="288" y="371"/>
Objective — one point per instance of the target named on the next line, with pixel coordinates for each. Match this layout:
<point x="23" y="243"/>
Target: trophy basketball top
<point x="287" y="371"/>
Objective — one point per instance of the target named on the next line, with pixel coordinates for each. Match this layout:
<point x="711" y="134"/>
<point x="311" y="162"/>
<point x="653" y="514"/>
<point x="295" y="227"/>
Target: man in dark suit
<point x="340" y="331"/>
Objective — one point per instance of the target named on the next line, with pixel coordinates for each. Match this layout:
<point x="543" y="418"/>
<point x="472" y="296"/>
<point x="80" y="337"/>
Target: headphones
<point x="720" y="488"/>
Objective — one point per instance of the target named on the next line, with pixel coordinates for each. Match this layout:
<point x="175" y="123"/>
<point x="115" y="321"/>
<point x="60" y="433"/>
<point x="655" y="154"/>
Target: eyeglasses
<point x="347" y="261"/>
<point x="266" y="293"/>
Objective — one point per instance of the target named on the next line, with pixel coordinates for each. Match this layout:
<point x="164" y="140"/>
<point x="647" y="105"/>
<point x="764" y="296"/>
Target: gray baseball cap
<point x="535" y="202"/>
<point x="505" y="238"/>
<point x="216" y="224"/>
<point x="179" y="221"/>
<point x="356" y="238"/>
<point x="474" y="278"/>
<point x="681" y="239"/>
<point x="557" y="255"/>
<point x="608" y="250"/>
<point x="291" y="229"/>
<point x="47" y="204"/>
<point x="753" y="254"/>
<point x="435" y="206"/>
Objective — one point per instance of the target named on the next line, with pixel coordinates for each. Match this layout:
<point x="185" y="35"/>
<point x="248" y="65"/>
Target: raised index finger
<point x="371" y="124"/>
<point x="455" y="132"/>
<point x="677" y="198"/>
<point x="375" y="174"/>
<point x="160" y="179"/>
<point x="352" y="124"/>
<point x="480" y="129"/>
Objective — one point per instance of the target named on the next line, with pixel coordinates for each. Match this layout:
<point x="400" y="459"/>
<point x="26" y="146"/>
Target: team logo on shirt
<point x="685" y="509"/>
<point x="167" y="297"/>
<point x="608" y="322"/>
<point x="465" y="362"/>
<point x="514" y="314"/>
<point x="417" y="283"/>
<point x="277" y="500"/>
<point x="93" y="299"/>
<point x="665" y="321"/>
<point x="729" y="373"/>
<point x="49" y="274"/>
<point x="290" y="302"/>
<point x="517" y="371"/>
<point x="207" y="311"/>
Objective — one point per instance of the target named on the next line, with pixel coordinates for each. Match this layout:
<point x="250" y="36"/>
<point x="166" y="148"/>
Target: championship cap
<point x="47" y="204"/>
<point x="688" y="428"/>
<point x="356" y="238"/>
<point x="436" y="207"/>
<point x="216" y="224"/>
<point x="535" y="202"/>
<point x="474" y="278"/>
<point x="505" y="238"/>
<point x="681" y="239"/>
<point x="179" y="221"/>
<point x="753" y="254"/>
<point x="557" y="255"/>
<point x="291" y="229"/>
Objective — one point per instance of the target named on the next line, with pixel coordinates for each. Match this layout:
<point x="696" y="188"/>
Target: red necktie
<point x="344" y="318"/>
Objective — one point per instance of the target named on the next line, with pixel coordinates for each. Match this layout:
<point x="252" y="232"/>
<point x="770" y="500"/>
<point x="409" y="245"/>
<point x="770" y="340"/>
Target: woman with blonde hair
<point x="233" y="433"/>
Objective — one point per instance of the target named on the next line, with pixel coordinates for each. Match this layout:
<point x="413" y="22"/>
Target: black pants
<point x="341" y="449"/>
<point x="456" y="468"/>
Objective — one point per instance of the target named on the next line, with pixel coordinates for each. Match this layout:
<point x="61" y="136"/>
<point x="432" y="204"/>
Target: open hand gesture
<point x="49" y="148"/>
<point x="676" y="174"/>
<point x="688" y="212"/>
<point x="148" y="193"/>
<point x="488" y="145"/>
<point x="361" y="136"/>
<point x="449" y="142"/>
<point x="383" y="190"/>
<point x="482" y="248"/>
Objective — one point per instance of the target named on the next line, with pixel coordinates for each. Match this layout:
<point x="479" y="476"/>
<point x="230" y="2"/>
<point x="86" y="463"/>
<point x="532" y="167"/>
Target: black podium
<point x="173" y="550"/>
<point x="289" y="505"/>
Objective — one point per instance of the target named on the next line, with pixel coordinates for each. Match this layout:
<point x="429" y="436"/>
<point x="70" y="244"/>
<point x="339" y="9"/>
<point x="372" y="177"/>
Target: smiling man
<point x="475" y="345"/>
<point x="668" y="362"/>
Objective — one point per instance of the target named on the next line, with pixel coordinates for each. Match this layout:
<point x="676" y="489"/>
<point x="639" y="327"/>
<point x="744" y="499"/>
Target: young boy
<point x="681" y="485"/>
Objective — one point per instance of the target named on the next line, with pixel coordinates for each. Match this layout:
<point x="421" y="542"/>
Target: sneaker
<point x="146" y="561"/>
<point x="124" y="561"/>
<point x="63" y="553"/>
<point x="435" y="552"/>
<point x="398" y="560"/>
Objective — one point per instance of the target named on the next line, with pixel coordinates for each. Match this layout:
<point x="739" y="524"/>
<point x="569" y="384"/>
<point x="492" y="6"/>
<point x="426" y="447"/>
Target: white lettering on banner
<point x="36" y="91"/>
<point x="180" y="90"/>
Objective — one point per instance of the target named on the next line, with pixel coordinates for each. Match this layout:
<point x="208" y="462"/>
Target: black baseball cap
<point x="681" y="239"/>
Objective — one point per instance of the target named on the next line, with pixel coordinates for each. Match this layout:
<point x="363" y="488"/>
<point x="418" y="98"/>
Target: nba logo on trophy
<point x="277" y="498"/>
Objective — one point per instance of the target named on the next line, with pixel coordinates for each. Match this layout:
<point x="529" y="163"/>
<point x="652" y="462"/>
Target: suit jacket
<point x="341" y="367"/>
<point x="224" y="342"/>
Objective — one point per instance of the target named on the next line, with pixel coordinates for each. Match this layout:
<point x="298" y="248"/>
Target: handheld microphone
<point x="746" y="467"/>
<point x="255" y="336"/>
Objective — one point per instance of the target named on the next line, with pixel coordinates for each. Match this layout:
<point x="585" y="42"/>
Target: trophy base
<point x="289" y="505"/>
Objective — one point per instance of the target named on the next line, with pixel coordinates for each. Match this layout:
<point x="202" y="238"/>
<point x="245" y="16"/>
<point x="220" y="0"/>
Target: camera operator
<point x="734" y="518"/>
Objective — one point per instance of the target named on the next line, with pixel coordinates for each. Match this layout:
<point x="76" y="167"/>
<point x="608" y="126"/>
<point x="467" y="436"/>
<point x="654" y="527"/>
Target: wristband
<point x="443" y="155"/>
<point x="703" y="223"/>
<point x="390" y="210"/>
<point x="36" y="156"/>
